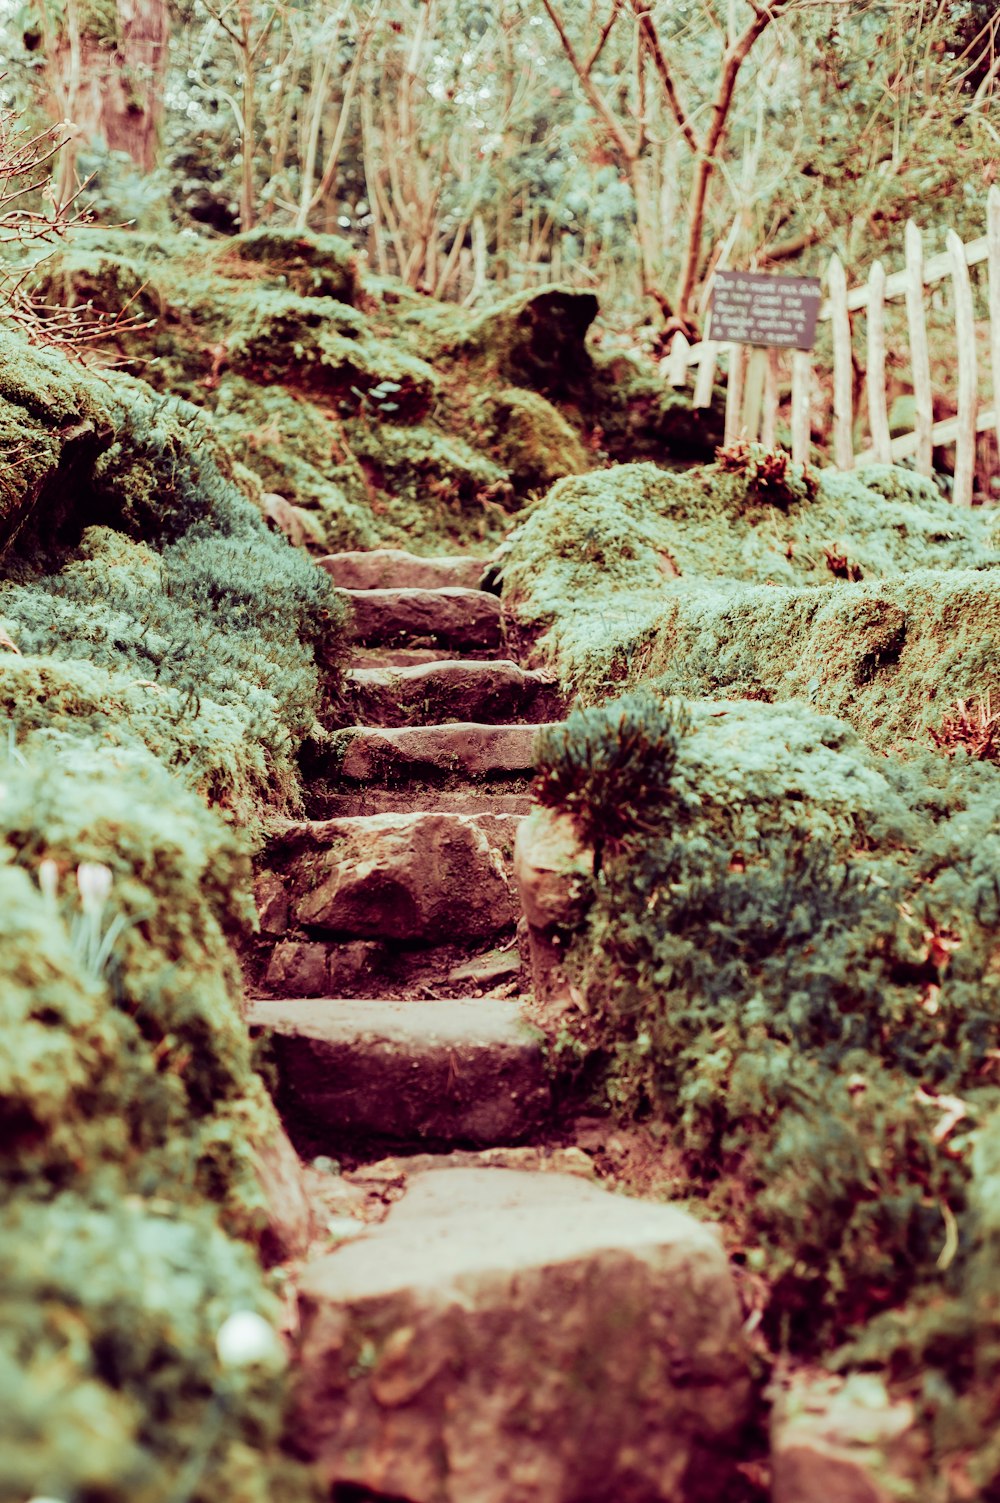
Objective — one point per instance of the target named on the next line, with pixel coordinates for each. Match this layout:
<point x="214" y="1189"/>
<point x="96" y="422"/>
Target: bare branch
<point x="651" y="41"/>
<point x="606" y="30"/>
<point x="599" y="104"/>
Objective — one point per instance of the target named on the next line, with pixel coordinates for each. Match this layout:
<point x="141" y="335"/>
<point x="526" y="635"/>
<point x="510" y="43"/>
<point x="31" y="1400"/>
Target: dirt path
<point x="481" y="1322"/>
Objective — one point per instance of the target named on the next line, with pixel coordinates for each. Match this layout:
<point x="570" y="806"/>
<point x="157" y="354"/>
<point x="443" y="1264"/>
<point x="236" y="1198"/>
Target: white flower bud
<point x="94" y="881"/>
<point x="48" y="878"/>
<point x="245" y="1339"/>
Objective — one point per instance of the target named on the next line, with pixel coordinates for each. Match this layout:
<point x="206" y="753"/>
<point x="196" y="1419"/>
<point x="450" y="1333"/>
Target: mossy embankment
<point x="381" y="415"/>
<point x="161" y="659"/>
<point x="867" y="595"/>
<point x="787" y="967"/>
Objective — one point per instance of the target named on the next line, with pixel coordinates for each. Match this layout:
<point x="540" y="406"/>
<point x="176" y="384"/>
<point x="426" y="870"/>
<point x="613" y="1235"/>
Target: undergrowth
<point x="790" y="962"/>
<point x="162" y="656"/>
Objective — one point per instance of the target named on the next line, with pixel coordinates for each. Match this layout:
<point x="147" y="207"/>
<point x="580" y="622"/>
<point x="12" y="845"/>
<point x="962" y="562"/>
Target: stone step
<point x="407" y="657"/>
<point x="298" y="967"/>
<point x="392" y="569"/>
<point x="463" y="1070"/>
<point x="506" y="1336"/>
<point x="323" y="804"/>
<point x="438" y="754"/>
<point x="458" y="620"/>
<point x="421" y="878"/>
<point x="496" y="692"/>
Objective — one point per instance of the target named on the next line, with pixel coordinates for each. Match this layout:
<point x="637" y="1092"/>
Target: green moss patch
<point x="163" y="656"/>
<point x="697" y="580"/>
<point x="789" y="967"/>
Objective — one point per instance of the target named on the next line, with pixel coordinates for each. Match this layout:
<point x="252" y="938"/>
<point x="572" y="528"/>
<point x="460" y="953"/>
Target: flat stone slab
<point x="450" y="618"/>
<point x="400" y="657"/>
<point x="468" y="1070"/>
<point x="498" y="692"/>
<point x="432" y="878"/>
<point x="393" y="569"/>
<point x="515" y="1337"/>
<point x="373" y="754"/>
<point x="416" y="799"/>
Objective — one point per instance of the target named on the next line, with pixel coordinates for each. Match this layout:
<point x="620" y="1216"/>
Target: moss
<point x="311" y="265"/>
<point x="534" y="339"/>
<point x="693" y="579"/>
<point x="423" y="465"/>
<point x="311" y="343"/>
<point x="112" y="1386"/>
<point x="637" y="416"/>
<point x="314" y="394"/>
<point x="529" y="437"/>
<point x="194" y="653"/>
<point x="298" y="451"/>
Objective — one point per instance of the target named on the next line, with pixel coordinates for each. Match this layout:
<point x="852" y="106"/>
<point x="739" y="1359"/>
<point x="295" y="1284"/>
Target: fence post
<point x="993" y="257"/>
<point x="923" y="398"/>
<point x="968" y="384"/>
<point x="878" y="416"/>
<point x="801" y="405"/>
<point x="705" y="379"/>
<point x="753" y="393"/>
<point x="734" y="394"/>
<point x="769" y="415"/>
<point x="843" y="404"/>
<point x="677" y="361"/>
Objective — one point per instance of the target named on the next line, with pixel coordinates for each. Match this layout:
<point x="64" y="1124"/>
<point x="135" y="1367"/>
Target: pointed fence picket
<point x="753" y="392"/>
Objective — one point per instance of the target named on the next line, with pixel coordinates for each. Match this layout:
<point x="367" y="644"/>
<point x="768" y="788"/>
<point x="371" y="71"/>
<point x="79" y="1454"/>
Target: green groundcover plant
<point x="162" y="656"/>
<point x="790" y="963"/>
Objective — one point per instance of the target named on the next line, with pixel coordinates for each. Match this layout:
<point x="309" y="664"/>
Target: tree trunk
<point x="109" y="82"/>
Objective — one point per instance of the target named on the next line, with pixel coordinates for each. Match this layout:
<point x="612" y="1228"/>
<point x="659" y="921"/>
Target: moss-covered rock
<point x="534" y="339"/>
<point x="698" y="580"/>
<point x="311" y="265"/>
<point x="529" y="437"/>
<point x="635" y="415"/>
<point x="312" y="344"/>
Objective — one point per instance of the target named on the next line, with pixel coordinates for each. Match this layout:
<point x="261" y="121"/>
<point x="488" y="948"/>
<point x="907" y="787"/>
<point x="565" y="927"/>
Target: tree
<point x="736" y="45"/>
<point x="105" y="67"/>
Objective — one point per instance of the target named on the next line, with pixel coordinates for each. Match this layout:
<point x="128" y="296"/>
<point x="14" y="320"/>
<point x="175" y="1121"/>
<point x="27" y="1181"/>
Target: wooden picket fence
<point x="754" y="376"/>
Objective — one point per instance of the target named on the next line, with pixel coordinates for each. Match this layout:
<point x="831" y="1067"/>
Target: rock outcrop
<point x="508" y="1337"/>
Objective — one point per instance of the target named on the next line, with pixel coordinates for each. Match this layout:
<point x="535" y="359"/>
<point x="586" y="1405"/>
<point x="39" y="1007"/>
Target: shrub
<point x="611" y="769"/>
<point x="780" y="951"/>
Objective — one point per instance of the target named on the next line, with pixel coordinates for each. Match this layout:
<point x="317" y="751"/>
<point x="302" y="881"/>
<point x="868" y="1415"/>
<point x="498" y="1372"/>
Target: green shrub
<point x="781" y="949"/>
<point x="611" y="769"/>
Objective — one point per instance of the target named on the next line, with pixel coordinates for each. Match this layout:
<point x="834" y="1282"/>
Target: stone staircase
<point x="477" y="1320"/>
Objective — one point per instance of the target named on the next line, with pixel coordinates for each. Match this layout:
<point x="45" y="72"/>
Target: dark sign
<point x="750" y="307"/>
